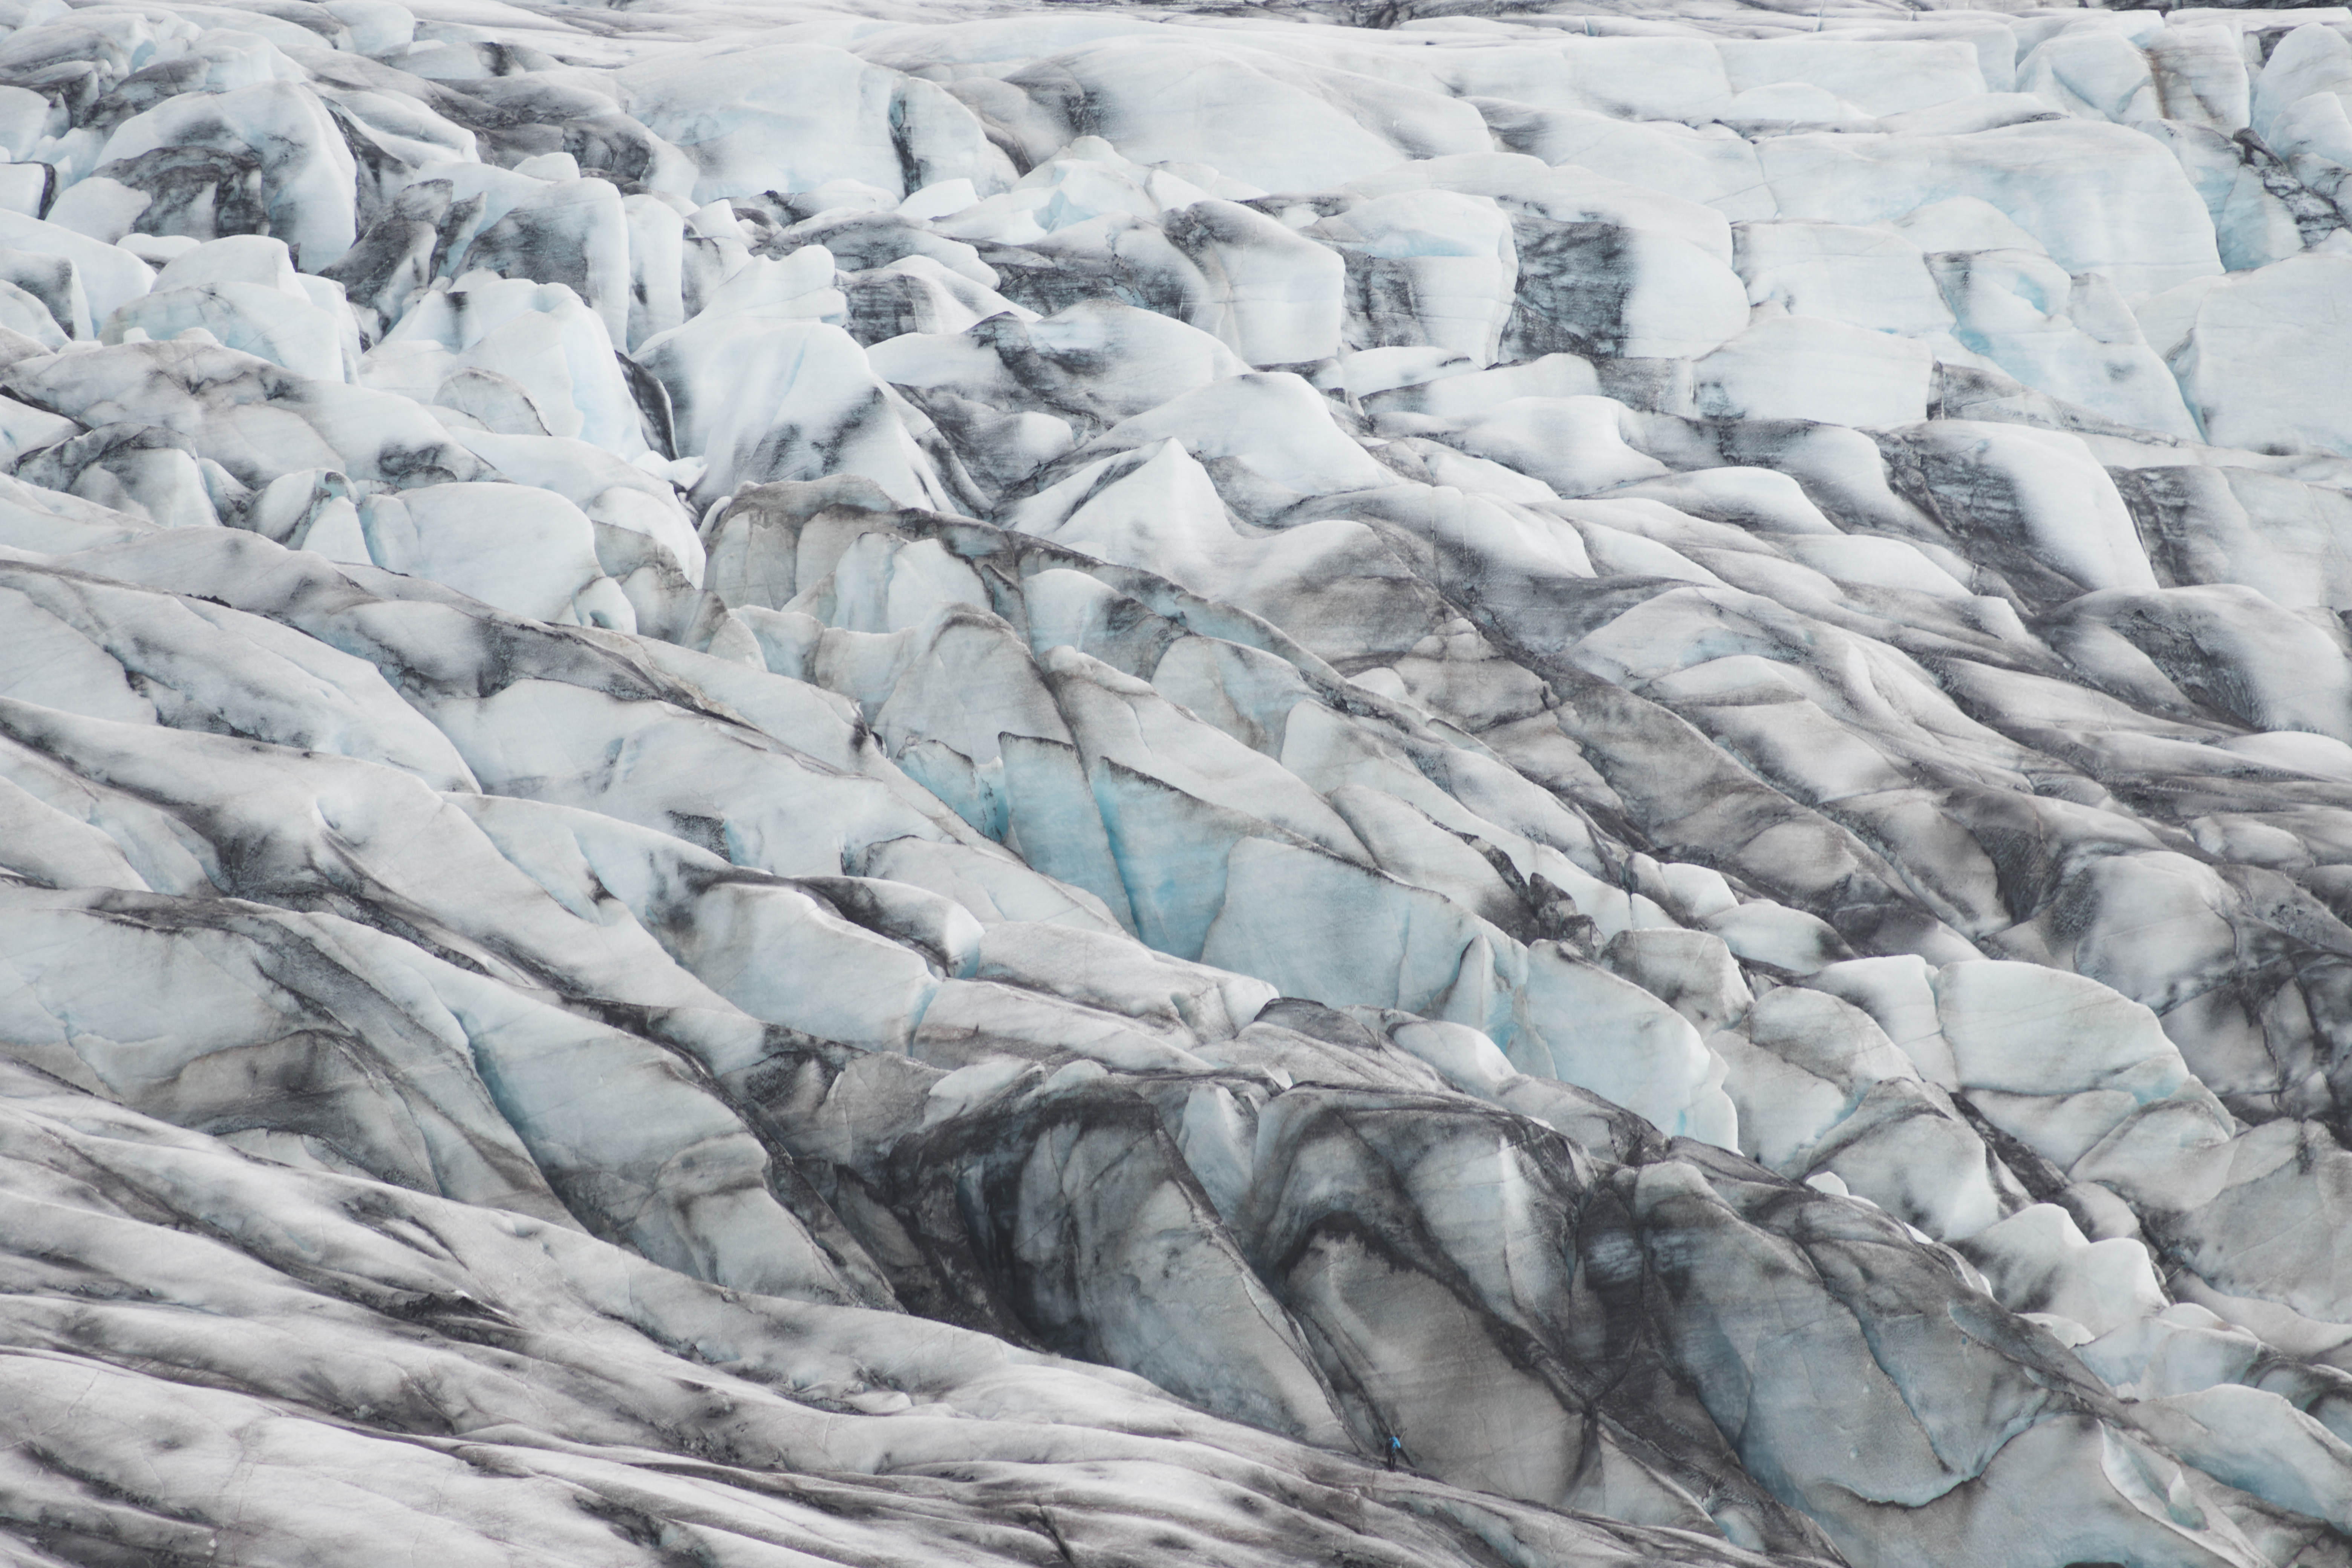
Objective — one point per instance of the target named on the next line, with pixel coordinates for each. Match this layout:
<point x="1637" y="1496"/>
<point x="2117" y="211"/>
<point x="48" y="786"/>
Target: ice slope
<point x="896" y="782"/>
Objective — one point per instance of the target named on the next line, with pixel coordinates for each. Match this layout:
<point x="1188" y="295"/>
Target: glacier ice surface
<point x="892" y="781"/>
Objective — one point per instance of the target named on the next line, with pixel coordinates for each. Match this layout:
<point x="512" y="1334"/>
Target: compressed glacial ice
<point x="890" y="781"/>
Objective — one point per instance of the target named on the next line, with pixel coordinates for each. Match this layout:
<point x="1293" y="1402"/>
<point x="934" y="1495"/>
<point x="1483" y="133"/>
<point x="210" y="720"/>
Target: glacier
<point x="1519" y="783"/>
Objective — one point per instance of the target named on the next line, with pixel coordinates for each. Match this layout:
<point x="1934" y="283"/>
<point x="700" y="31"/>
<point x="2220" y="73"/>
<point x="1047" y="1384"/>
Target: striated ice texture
<point x="1384" y="784"/>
